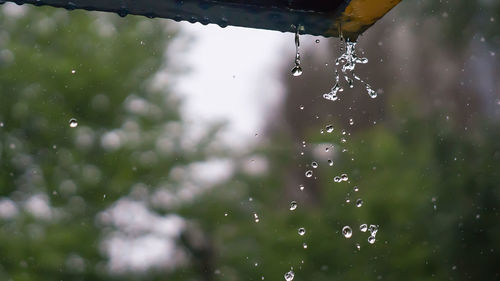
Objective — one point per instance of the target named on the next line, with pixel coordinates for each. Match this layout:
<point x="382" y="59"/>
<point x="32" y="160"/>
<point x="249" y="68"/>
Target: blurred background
<point x="190" y="142"/>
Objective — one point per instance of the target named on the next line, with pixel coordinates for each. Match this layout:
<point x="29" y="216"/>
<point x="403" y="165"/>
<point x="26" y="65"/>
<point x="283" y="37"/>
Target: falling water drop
<point x="293" y="205"/>
<point x="371" y="239"/>
<point x="309" y="173"/>
<point x="373" y="229"/>
<point x="302" y="231"/>
<point x="363" y="227"/>
<point x="289" y="275"/>
<point x="73" y="123"/>
<point x="347" y="231"/>
<point x="297" y="70"/>
<point x="256" y="217"/>
<point x="359" y="203"/>
<point x="344" y="177"/>
<point x="329" y="128"/>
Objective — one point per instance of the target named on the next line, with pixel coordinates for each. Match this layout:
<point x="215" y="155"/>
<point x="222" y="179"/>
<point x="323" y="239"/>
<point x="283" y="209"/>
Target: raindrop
<point x="344" y="177"/>
<point x="73" y="123"/>
<point x="309" y="173"/>
<point x="301" y="107"/>
<point x="297" y="70"/>
<point x="347" y="231"/>
<point x="356" y="189"/>
<point x="359" y="203"/>
<point x="289" y="275"/>
<point x="330" y="162"/>
<point x="358" y="246"/>
<point x="351" y="122"/>
<point x="1" y="124"/>
<point x="314" y="165"/>
<point x="73" y="71"/>
<point x="373" y="229"/>
<point x="301" y="187"/>
<point x="363" y="227"/>
<point x="293" y="205"/>
<point x="256" y="217"/>
<point x="329" y="128"/>
<point x="371" y="239"/>
<point x="304" y="245"/>
<point x="302" y="231"/>
<point x="337" y="179"/>
<point x="317" y="41"/>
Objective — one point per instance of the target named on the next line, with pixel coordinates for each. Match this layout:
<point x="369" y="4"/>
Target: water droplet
<point x="356" y="189"/>
<point x="302" y="231"/>
<point x="293" y="205"/>
<point x="256" y="217"/>
<point x="351" y="122"/>
<point x="371" y="239"/>
<point x="1" y="124"/>
<point x="337" y="179"/>
<point x="358" y="246"/>
<point x="296" y="70"/>
<point x="301" y="107"/>
<point x="317" y="41"/>
<point x="330" y="162"/>
<point x="344" y="177"/>
<point x="373" y="229"/>
<point x="73" y="71"/>
<point x="225" y="214"/>
<point x="309" y="173"/>
<point x="314" y="165"/>
<point x="329" y="128"/>
<point x="301" y="187"/>
<point x="359" y="203"/>
<point x="256" y="264"/>
<point x="73" y="123"/>
<point x="304" y="245"/>
<point x="347" y="231"/>
<point x="363" y="227"/>
<point x="289" y="275"/>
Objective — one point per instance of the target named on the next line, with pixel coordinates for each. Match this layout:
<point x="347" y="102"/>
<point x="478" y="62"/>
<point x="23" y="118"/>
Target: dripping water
<point x="297" y="70"/>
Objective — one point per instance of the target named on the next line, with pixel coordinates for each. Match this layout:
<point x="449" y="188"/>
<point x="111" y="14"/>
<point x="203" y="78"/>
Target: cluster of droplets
<point x="373" y="229"/>
<point x="348" y="60"/>
<point x="341" y="178"/>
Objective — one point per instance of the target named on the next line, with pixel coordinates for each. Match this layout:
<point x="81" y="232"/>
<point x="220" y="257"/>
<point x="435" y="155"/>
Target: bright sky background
<point x="233" y="75"/>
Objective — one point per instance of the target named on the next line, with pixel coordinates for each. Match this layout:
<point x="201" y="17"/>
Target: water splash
<point x="297" y="70"/>
<point x="348" y="61"/>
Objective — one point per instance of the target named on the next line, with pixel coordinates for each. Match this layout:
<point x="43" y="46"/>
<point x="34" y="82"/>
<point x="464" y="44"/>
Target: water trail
<point x="297" y="70"/>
